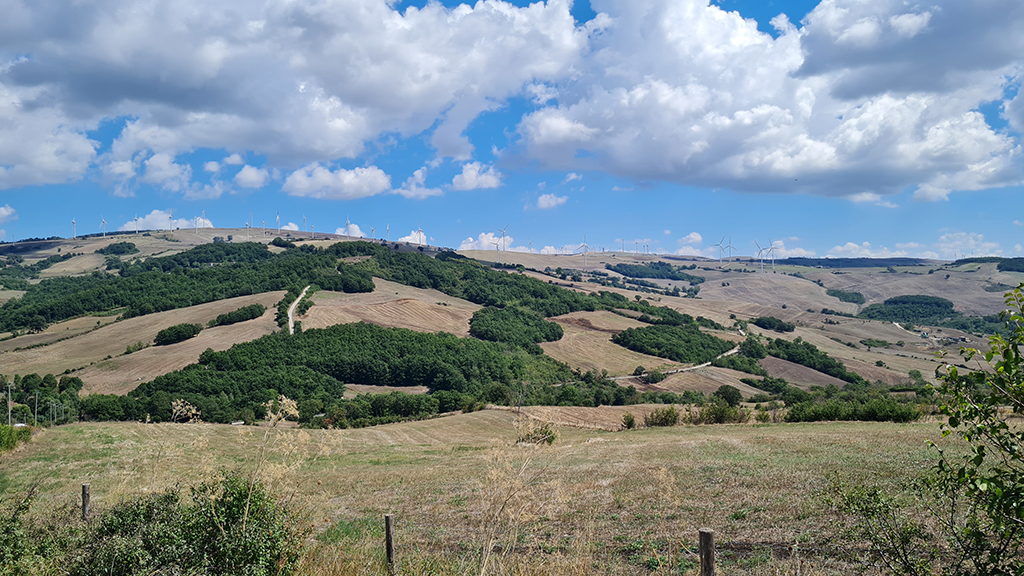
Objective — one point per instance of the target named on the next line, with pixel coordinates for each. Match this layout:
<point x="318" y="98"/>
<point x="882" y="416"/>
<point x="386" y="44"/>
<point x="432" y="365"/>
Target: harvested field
<point x="706" y="380"/>
<point x="6" y="295"/>
<point x="353" y="390"/>
<point x="121" y="373"/>
<point x="54" y="332"/>
<point x="797" y="375"/>
<point x="586" y="344"/>
<point x="603" y="501"/>
<point x="392" y="305"/>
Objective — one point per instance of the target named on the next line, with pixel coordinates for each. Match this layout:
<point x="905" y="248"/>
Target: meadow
<point x="593" y="502"/>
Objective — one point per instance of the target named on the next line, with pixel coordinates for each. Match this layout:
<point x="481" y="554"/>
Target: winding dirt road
<point x="291" y="311"/>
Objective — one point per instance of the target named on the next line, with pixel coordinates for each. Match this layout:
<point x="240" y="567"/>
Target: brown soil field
<point x="6" y="295"/>
<point x="392" y="305"/>
<point x="120" y="374"/>
<point x="586" y="344"/>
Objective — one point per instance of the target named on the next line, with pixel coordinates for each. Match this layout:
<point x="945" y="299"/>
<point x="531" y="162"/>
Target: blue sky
<point x="849" y="128"/>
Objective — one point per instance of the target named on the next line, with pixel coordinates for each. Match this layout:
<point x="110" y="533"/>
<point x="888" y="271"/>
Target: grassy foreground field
<point x="594" y="502"/>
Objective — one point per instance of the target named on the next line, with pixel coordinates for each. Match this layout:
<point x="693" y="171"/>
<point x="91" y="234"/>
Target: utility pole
<point x="8" y="404"/>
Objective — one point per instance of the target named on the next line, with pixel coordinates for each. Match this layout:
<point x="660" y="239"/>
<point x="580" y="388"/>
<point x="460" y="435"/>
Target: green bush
<point x="176" y="333"/>
<point x="667" y="416"/>
<point x="229" y="526"/>
<point x="730" y="394"/>
<point x="241" y="315"/>
<point x="773" y="323"/>
<point x="10" y="436"/>
<point x="628" y="421"/>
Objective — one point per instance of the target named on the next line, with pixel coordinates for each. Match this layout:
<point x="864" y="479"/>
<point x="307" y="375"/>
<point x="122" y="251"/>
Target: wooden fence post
<point x="85" y="501"/>
<point x="706" y="544"/>
<point x="389" y="541"/>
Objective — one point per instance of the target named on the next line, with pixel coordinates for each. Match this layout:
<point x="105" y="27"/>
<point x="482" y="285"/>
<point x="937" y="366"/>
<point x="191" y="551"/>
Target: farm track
<point x="291" y="311"/>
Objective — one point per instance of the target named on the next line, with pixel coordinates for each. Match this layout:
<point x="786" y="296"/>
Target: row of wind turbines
<point x="762" y="253"/>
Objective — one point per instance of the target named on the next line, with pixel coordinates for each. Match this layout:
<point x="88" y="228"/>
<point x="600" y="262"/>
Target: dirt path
<point x="291" y="311"/>
<point x="687" y="369"/>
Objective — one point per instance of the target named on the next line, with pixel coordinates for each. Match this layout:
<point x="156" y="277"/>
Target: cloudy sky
<point x="840" y="128"/>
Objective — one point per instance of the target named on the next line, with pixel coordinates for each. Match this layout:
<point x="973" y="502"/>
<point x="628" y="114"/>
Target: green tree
<point x="991" y="474"/>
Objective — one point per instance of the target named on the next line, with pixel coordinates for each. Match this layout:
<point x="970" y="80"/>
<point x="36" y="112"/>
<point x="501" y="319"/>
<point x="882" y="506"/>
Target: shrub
<point x="773" y="323"/>
<point x="730" y="394"/>
<point x="231" y="526"/>
<point x="532" y="431"/>
<point x="281" y="243"/>
<point x="176" y="333"/>
<point x="666" y="416"/>
<point x="10" y="436"/>
<point x="241" y="315"/>
<point x="628" y="421"/>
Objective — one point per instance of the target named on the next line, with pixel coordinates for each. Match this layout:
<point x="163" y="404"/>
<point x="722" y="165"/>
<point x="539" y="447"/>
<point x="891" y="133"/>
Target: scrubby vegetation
<point x="177" y="333"/>
<point x="661" y="270"/>
<point x="772" y="323"/>
<point x="930" y="311"/>
<point x="118" y="249"/>
<point x="244" y="313"/>
<point x="851" y="297"/>
<point x="807" y="354"/>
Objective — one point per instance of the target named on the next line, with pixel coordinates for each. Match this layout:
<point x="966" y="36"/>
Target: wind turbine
<point x="303" y="222"/>
<point x="312" y="230"/>
<point x="136" y="224"/>
<point x="531" y="245"/>
<point x="720" y="248"/>
<point x="195" y="224"/>
<point x="74" y="229"/>
<point x="348" y="226"/>
<point x="388" y="232"/>
<point x="497" y="249"/>
<point x="771" y="252"/>
<point x="170" y="222"/>
<point x="264" y="222"/>
<point x="103" y="224"/>
<point x="760" y="253"/>
<point x="278" y="221"/>
<point x="247" y="231"/>
<point x="730" y="247"/>
<point x="502" y="230"/>
<point x="373" y="233"/>
<point x="584" y="248"/>
<point x="421" y="236"/>
<point x="204" y="219"/>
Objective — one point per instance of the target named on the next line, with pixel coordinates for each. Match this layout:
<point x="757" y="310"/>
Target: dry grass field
<point x="594" y="502"/>
<point x="392" y="305"/>
<point x="586" y="344"/>
<point x="54" y="332"/>
<point x="120" y="374"/>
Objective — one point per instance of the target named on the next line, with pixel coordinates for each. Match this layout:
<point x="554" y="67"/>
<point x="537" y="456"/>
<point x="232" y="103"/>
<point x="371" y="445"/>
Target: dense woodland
<point x="679" y="343"/>
<point x="931" y="311"/>
<point x="661" y="270"/>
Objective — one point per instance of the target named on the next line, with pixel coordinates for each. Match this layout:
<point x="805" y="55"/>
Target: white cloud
<point x="667" y="232"/>
<point x="291" y="226"/>
<point x="688" y="250"/>
<point x="251" y="177"/>
<point x="780" y="251"/>
<point x="414" y="186"/>
<point x="571" y="176"/>
<point x="548" y="250"/>
<point x="862" y="99"/>
<point x="546" y="201"/>
<point x="158" y="220"/>
<point x="211" y="167"/>
<point x="490" y="241"/>
<point x="353" y="231"/>
<point x="476" y="175"/>
<point x="414" y="237"/>
<point x="1018" y="248"/>
<point x="691" y="238"/>
<point x="316" y="181"/>
<point x="864" y="250"/>
<point x="1018" y="223"/>
<point x="957" y="244"/>
<point x="541" y="93"/>
<point x="161" y="170"/>
<point x="7" y="213"/>
<point x="234" y="159"/>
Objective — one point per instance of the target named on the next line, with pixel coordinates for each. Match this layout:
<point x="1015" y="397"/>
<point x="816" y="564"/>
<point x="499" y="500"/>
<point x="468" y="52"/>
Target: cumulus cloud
<point x="866" y="98"/>
<point x="691" y="238"/>
<point x="162" y="171"/>
<point x="316" y="181"/>
<point x="1018" y="223"/>
<point x="667" y="232"/>
<point x="546" y="201"/>
<point x="414" y="186"/>
<point x="414" y="237"/>
<point x="251" y="177"/>
<point x="864" y="250"/>
<point x="958" y="244"/>
<point x="352" y="230"/>
<point x="780" y="251"/>
<point x="291" y="226"/>
<point x="234" y="159"/>
<point x="571" y="176"/>
<point x="476" y="175"/>
<point x="491" y="241"/>
<point x="7" y="213"/>
<point x="1018" y="248"/>
<point x="211" y="167"/>
<point x="159" y="220"/>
